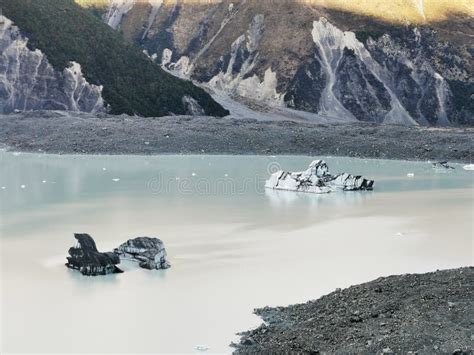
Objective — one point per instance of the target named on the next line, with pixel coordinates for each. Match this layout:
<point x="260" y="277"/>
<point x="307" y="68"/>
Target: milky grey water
<point x="233" y="246"/>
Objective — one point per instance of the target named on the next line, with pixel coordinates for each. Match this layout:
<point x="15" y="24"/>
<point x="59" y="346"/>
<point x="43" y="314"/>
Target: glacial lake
<point x="233" y="245"/>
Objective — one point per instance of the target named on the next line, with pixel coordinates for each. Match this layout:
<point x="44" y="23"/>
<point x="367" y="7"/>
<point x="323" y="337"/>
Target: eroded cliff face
<point x="29" y="82"/>
<point x="310" y="57"/>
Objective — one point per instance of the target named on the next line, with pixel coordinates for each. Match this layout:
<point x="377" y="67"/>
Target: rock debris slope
<point x="392" y="62"/>
<point x="29" y="82"/>
<point x="417" y="314"/>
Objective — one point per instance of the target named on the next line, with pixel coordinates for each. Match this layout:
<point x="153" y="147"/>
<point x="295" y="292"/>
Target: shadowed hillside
<point x="132" y="84"/>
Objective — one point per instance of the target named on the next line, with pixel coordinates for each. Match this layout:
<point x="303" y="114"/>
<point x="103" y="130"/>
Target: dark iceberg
<point x="85" y="257"/>
<point x="150" y="253"/>
<point x="442" y="165"/>
<point x="317" y="179"/>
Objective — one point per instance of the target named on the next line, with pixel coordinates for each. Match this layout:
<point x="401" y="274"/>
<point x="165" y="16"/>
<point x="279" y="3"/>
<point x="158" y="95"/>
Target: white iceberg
<point x="316" y="179"/>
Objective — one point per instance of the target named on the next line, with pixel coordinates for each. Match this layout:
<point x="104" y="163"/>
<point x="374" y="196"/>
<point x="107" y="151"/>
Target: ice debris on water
<point x="23" y="186"/>
<point x="194" y="174"/>
<point x="202" y="348"/>
<point x="44" y="181"/>
<point x="441" y="164"/>
<point x="469" y="167"/>
<point x="116" y="179"/>
<point x="410" y="175"/>
<point x="4" y="187"/>
<point x="104" y="169"/>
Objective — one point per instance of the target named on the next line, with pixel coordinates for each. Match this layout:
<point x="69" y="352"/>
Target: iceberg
<point x="85" y="257"/>
<point x="441" y="165"/>
<point x="150" y="253"/>
<point x="317" y="179"/>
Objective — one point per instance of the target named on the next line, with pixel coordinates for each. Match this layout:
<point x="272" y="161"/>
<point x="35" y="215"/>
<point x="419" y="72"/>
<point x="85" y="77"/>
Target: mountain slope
<point x="29" y="82"/>
<point x="407" y="62"/>
<point x="130" y="82"/>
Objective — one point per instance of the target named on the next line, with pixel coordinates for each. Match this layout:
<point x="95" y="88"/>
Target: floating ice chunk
<point x="317" y="179"/>
<point x="147" y="143"/>
<point x="441" y="165"/>
<point x="104" y="169"/>
<point x="116" y="180"/>
<point x="44" y="181"/>
<point x="4" y="187"/>
<point x="226" y="175"/>
<point x="410" y="175"/>
<point x="469" y="167"/>
<point x="202" y="348"/>
<point x="150" y="253"/>
<point x="194" y="174"/>
<point x="23" y="186"/>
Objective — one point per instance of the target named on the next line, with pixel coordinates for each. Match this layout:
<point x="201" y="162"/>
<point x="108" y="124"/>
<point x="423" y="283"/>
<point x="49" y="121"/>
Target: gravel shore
<point x="69" y="133"/>
<point x="424" y="314"/>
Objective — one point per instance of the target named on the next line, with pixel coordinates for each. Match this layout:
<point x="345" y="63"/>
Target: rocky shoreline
<point x="417" y="313"/>
<point x="78" y="133"/>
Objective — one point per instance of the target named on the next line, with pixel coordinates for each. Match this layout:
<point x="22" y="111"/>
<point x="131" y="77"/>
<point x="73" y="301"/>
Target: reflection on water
<point x="280" y="198"/>
<point x="233" y="245"/>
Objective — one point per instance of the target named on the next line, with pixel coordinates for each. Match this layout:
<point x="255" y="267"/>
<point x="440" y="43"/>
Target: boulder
<point x="317" y="179"/>
<point x="85" y="257"/>
<point x="150" y="253"/>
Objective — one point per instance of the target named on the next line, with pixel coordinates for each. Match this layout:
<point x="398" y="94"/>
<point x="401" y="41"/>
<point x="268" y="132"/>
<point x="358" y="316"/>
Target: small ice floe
<point x="147" y="143"/>
<point x="202" y="348"/>
<point x="23" y="186"/>
<point x="441" y="165"/>
<point x="410" y="175"/>
<point x="177" y="178"/>
<point x="469" y="167"/>
<point x="4" y="187"/>
<point x="115" y="179"/>
<point x="226" y="175"/>
<point x="104" y="169"/>
<point x="194" y="174"/>
<point x="44" y="181"/>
